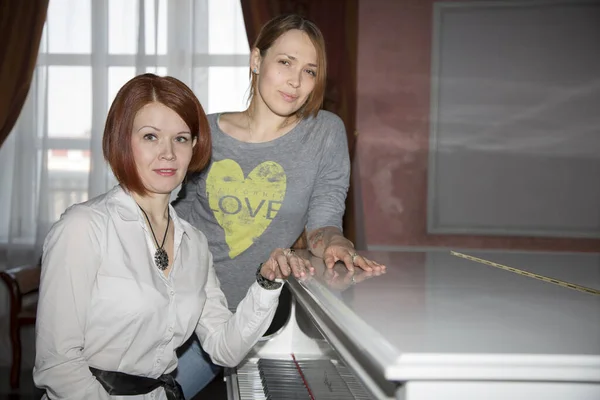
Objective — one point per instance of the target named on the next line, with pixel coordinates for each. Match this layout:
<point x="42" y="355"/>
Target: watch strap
<point x="264" y="282"/>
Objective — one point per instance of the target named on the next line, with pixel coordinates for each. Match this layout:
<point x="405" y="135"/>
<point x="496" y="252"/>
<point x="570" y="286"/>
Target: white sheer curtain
<point x="90" y="48"/>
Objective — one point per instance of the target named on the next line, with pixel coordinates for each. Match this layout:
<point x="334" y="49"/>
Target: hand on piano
<point x="283" y="262"/>
<point x="344" y="251"/>
<point x="330" y="244"/>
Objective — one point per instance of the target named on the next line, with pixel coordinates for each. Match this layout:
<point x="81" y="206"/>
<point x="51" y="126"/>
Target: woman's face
<point x="287" y="72"/>
<point x="162" y="147"/>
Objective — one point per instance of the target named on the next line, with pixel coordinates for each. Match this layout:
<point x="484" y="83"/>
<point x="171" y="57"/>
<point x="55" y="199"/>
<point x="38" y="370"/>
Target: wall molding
<point x="529" y="227"/>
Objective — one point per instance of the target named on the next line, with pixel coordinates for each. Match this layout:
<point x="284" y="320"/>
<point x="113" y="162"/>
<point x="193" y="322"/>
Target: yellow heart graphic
<point x="244" y="207"/>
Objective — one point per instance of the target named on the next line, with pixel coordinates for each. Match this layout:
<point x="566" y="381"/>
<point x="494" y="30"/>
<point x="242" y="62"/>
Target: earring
<point x="255" y="70"/>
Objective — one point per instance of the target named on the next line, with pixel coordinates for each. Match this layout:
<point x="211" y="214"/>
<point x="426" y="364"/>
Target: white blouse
<point x="103" y="302"/>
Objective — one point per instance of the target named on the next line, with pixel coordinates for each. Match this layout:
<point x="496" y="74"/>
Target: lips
<point x="288" y="97"/>
<point x="166" y="171"/>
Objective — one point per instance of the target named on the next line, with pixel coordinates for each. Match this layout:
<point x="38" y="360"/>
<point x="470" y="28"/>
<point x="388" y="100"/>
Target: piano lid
<point x="434" y="315"/>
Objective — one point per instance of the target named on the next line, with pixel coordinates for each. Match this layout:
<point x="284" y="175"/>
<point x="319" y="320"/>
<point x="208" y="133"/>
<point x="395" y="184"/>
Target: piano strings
<point x="290" y="379"/>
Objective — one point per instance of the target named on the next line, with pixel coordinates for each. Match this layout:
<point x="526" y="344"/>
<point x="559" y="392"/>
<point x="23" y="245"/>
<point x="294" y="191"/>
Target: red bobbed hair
<point x="135" y="94"/>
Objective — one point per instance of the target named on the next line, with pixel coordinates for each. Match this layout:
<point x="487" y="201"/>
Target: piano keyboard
<point x="283" y="379"/>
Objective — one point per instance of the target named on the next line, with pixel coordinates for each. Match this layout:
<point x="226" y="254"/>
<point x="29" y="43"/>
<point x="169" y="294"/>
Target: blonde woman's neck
<point x="264" y="125"/>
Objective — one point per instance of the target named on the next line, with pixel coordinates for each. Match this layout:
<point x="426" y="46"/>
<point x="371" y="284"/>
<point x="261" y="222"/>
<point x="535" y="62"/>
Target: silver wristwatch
<point x="264" y="282"/>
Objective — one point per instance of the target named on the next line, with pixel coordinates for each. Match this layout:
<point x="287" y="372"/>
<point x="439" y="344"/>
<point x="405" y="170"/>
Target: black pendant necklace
<point x="161" y="258"/>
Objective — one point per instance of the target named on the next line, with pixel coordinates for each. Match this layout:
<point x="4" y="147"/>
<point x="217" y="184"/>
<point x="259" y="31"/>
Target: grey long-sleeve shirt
<point x="255" y="197"/>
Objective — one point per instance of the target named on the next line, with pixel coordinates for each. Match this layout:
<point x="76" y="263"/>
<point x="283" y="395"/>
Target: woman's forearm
<point x="228" y="337"/>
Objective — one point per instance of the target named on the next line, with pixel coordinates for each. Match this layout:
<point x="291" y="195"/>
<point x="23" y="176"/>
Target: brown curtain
<point x="338" y="20"/>
<point x="21" y="25"/>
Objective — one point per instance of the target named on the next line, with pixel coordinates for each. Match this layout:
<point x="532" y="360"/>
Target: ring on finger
<point x="353" y="255"/>
<point x="288" y="252"/>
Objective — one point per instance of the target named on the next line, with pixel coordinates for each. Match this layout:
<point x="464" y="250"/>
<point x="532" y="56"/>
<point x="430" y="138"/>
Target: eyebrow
<point x="155" y="128"/>
<point x="148" y="126"/>
<point x="294" y="59"/>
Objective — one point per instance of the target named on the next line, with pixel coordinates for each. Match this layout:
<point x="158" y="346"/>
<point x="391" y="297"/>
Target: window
<point x="89" y="49"/>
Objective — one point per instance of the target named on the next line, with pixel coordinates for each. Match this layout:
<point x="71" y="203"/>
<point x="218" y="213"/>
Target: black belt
<point x="122" y="384"/>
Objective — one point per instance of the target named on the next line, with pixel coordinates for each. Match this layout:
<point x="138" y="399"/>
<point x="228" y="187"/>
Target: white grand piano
<point x="435" y="326"/>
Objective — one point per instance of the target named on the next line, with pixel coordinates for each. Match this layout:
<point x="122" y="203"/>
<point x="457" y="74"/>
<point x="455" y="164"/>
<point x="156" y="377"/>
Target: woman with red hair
<point x="125" y="281"/>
